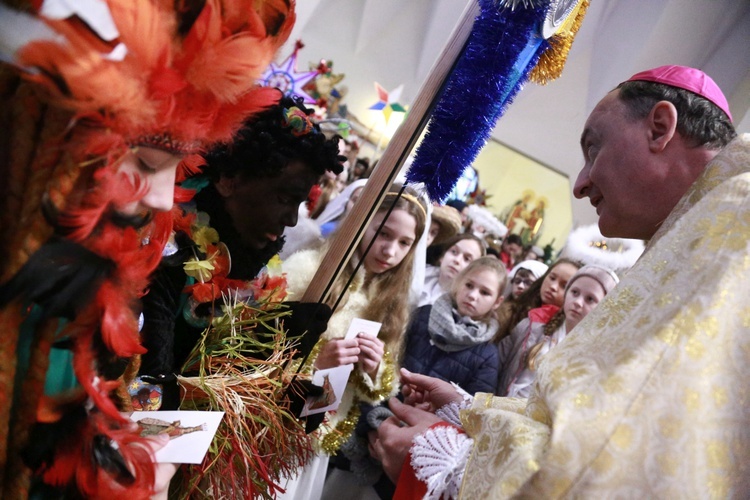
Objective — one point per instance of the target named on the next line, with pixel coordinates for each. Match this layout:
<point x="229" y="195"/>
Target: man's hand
<point x="427" y="393"/>
<point x="390" y="443"/>
<point x="371" y="351"/>
<point x="337" y="352"/>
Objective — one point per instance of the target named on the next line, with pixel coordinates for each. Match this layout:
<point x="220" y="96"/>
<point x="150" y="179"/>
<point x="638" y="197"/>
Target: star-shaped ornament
<point x="388" y="101"/>
<point x="286" y="78"/>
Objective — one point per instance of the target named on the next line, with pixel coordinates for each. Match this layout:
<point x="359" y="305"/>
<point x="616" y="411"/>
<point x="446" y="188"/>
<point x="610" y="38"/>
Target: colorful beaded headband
<point x="298" y="121"/>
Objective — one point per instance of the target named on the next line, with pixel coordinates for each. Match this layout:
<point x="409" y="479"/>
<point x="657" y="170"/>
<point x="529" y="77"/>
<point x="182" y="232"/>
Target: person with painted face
<point x="249" y="191"/>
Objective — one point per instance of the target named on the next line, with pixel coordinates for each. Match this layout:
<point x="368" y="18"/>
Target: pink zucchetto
<point x="691" y="79"/>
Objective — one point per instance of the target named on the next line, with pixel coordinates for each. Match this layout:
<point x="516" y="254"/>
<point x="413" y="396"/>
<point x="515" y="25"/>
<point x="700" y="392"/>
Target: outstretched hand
<point x="391" y="442"/>
<point x="427" y="393"/>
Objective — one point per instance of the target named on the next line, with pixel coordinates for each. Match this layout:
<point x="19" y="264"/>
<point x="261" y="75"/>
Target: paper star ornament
<point x="286" y="78"/>
<point x="388" y="101"/>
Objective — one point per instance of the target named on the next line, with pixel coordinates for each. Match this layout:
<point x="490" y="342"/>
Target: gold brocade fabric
<point x="649" y="397"/>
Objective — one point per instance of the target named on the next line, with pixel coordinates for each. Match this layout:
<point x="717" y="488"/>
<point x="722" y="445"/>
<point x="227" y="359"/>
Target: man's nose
<point x="583" y="184"/>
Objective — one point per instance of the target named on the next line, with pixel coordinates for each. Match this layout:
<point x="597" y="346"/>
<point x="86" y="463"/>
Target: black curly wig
<point x="266" y="144"/>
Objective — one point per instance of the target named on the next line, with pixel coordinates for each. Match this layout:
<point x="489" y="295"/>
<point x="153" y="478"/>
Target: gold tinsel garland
<point x="336" y="437"/>
<point x="552" y="61"/>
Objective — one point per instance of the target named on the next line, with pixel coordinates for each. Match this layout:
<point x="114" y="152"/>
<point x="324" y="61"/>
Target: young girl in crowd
<point x="451" y="339"/>
<point x="336" y="209"/>
<point x="458" y="252"/>
<point x="523" y="275"/>
<point x="445" y="223"/>
<point x="514" y="311"/>
<point x="533" y="309"/>
<point x="584" y="292"/>
<point x="379" y="292"/>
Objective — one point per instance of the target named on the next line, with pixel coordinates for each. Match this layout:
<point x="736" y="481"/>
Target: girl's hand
<point x="337" y="352"/>
<point x="427" y="393"/>
<point x="371" y="353"/>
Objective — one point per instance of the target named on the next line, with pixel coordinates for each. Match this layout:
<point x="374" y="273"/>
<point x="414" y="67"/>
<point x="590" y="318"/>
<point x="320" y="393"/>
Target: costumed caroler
<point x="109" y="98"/>
<point x="648" y="395"/>
<point x="379" y="291"/>
<point x="214" y="286"/>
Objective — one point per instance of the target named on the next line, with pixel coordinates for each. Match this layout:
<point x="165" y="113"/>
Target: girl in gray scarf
<point x="450" y="339"/>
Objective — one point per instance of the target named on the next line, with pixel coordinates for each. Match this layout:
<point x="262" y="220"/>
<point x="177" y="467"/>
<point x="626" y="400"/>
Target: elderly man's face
<point x="620" y="176"/>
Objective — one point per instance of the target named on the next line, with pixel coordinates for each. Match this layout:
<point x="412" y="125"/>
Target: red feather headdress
<point x="186" y="81"/>
<point x="176" y="91"/>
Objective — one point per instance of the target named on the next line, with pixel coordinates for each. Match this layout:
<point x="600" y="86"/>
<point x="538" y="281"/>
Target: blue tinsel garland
<point x="503" y="47"/>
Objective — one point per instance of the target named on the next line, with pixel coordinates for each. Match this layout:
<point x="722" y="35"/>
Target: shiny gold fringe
<point x="552" y="61"/>
<point x="335" y="439"/>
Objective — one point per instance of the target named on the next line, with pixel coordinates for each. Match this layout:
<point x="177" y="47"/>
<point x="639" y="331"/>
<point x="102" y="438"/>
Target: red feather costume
<point x="186" y="82"/>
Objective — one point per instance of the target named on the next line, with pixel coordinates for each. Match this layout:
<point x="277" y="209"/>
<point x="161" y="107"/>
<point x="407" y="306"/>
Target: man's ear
<point x="662" y="123"/>
<point x="225" y="185"/>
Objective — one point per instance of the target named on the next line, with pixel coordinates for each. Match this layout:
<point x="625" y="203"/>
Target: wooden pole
<point x="344" y="242"/>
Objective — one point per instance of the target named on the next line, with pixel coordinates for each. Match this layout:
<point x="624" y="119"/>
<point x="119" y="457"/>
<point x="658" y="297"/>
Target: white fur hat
<point x="535" y="267"/>
<point x="483" y="217"/>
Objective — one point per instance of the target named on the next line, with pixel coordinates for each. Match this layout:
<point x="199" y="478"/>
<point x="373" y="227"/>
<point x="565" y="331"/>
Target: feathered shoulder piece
<point x="177" y="74"/>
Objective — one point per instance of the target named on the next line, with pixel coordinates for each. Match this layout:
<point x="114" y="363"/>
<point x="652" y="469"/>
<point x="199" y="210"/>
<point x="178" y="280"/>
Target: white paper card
<point x="189" y="448"/>
<point x="333" y="380"/>
<point x="359" y="325"/>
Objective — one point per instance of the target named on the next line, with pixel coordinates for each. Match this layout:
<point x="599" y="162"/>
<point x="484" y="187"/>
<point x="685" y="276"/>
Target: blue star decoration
<point x="286" y="78"/>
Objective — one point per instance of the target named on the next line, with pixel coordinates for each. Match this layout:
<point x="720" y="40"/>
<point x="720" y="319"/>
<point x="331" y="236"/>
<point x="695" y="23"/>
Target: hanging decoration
<point x="286" y="78"/>
<point x="323" y="88"/>
<point x="388" y="101"/>
<point x="506" y="43"/>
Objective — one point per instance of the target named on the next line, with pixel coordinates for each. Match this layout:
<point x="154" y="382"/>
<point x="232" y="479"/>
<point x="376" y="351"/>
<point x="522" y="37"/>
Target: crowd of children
<point x="488" y="312"/>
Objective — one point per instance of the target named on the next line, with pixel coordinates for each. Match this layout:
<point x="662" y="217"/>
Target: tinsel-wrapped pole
<point x="503" y="49"/>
